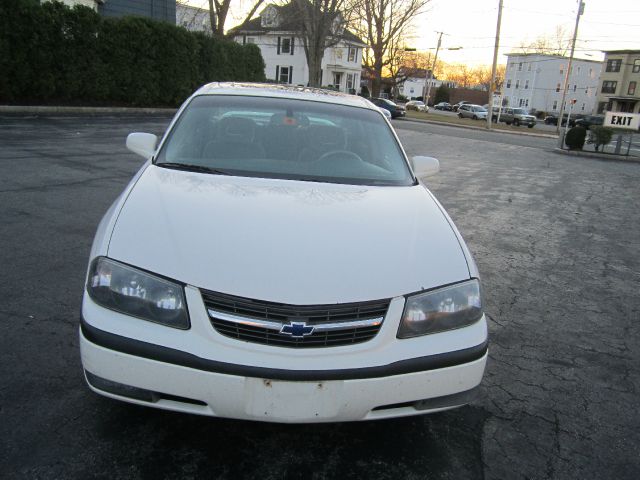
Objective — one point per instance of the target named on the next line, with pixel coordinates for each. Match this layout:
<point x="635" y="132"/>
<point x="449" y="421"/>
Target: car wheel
<point x="475" y="117"/>
<point x="516" y="122"/>
<point x="459" y="115"/>
<point x="530" y="125"/>
<point x="508" y="123"/>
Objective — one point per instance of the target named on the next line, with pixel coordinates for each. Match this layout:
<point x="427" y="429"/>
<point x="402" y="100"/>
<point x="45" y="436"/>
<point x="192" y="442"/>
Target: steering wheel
<point x="340" y="157"/>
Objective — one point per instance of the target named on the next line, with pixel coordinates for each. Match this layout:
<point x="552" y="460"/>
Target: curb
<point x="83" y="110"/>
<point x="471" y="127"/>
<point x="598" y="155"/>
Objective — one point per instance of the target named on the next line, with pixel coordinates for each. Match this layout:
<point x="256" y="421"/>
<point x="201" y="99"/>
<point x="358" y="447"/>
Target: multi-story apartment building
<point x="276" y="33"/>
<point x="164" y="10"/>
<point x="534" y="81"/>
<point x="618" y="87"/>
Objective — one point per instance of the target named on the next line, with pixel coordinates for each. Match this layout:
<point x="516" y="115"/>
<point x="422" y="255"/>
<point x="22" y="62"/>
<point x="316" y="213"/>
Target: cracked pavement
<point x="556" y="239"/>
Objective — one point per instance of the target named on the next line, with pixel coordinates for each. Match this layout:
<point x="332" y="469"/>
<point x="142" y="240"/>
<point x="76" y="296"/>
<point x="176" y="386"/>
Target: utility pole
<point x="426" y="79"/>
<point x="494" y="67"/>
<point x="566" y="77"/>
<point x="435" y="59"/>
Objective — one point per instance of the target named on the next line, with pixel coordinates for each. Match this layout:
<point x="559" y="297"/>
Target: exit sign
<point x="627" y="121"/>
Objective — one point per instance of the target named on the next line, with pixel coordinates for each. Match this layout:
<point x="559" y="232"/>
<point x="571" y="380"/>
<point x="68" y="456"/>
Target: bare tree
<point x="219" y="10"/>
<point x="557" y="43"/>
<point x="322" y="24"/>
<point x="382" y="23"/>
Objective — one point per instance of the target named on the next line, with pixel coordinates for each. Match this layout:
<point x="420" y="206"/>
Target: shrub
<point x="600" y="136"/>
<point x="442" y="94"/>
<point x="52" y="53"/>
<point x="575" y="138"/>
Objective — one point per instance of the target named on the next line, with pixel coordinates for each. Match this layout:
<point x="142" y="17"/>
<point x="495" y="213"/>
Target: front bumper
<point x="172" y="386"/>
<point x="200" y="371"/>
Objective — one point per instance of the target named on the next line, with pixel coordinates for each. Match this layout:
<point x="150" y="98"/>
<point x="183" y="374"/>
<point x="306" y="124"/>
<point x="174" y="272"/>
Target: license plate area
<point x="282" y="400"/>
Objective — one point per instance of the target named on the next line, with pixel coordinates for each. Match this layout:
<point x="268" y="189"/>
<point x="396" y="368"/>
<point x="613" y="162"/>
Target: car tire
<point x="459" y="115"/>
<point x="475" y="117"/>
<point x="531" y="125"/>
<point x="508" y="123"/>
<point x="516" y="122"/>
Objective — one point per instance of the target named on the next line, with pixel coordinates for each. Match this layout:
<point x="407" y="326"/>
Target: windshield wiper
<point x="191" y="168"/>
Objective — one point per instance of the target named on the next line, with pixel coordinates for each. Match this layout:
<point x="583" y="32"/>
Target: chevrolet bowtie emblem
<point x="297" y="329"/>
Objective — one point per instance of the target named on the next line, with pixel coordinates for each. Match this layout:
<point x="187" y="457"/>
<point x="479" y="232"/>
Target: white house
<point x="414" y="86"/>
<point x="534" y="81"/>
<point x="276" y="33"/>
<point x="192" y="18"/>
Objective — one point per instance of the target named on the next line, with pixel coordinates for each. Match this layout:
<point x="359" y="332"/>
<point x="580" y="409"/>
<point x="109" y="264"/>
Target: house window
<point x="583" y="107"/>
<point x="574" y="87"/>
<point x="284" y="74"/>
<point x="526" y="102"/>
<point x="526" y="84"/>
<point x="591" y="72"/>
<point x="529" y="67"/>
<point x="517" y="83"/>
<point x="557" y="88"/>
<point x="613" y="65"/>
<point x="636" y="65"/>
<point x="285" y="45"/>
<point x="609" y="86"/>
<point x="578" y="69"/>
<point x="519" y="68"/>
<point x="561" y="69"/>
<point x="508" y="83"/>
<point x="555" y="104"/>
<point x="353" y="54"/>
<point x="632" y="88"/>
<point x="349" y="81"/>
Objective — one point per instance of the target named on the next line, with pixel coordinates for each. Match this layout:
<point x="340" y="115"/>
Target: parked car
<point x="589" y="120"/>
<point x="517" y="117"/>
<point x="457" y="105"/>
<point x="475" y="112"/>
<point x="443" y="106"/>
<point x="417" y="105"/>
<point x="395" y="109"/>
<point x="236" y="274"/>
<point x="552" y="119"/>
<point x="385" y="112"/>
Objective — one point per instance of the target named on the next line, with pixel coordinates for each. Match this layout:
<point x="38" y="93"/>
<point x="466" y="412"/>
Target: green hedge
<point x="51" y="53"/>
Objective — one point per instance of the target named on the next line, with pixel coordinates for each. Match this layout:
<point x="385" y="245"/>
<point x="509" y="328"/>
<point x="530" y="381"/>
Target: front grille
<point x="258" y="321"/>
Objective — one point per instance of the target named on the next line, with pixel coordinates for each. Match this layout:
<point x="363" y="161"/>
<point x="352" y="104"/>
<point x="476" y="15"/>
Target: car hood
<point x="287" y="241"/>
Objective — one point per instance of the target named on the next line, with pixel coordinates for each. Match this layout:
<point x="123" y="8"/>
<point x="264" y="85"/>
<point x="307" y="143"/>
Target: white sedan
<point x="278" y="258"/>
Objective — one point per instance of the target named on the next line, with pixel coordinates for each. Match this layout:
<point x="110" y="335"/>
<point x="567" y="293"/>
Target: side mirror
<point x="143" y="144"/>
<point x="425" y="166"/>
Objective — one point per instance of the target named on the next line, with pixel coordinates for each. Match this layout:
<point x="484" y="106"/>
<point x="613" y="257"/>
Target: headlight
<point x="131" y="291"/>
<point x="447" y="308"/>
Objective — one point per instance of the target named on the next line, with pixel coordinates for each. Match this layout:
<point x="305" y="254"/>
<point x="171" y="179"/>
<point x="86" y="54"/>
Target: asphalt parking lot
<point x="557" y="240"/>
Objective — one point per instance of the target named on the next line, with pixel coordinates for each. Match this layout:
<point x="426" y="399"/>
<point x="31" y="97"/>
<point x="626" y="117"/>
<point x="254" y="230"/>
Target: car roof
<point x="284" y="91"/>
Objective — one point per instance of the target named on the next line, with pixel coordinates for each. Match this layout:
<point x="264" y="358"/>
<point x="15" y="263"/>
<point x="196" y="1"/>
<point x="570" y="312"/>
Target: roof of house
<point x="549" y="55"/>
<point x="290" y="22"/>
<point x="621" y="52"/>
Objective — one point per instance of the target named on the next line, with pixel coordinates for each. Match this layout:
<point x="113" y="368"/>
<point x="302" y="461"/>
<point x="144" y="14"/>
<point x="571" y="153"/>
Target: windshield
<point x="285" y="138"/>
<point x="520" y="111"/>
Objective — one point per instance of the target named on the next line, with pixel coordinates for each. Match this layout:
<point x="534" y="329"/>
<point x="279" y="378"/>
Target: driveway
<point x="556" y="239"/>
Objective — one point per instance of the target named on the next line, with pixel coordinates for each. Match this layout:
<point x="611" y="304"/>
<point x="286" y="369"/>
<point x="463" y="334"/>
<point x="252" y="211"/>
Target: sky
<point x="471" y="24"/>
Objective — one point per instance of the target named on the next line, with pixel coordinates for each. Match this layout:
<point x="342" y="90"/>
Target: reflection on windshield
<point x="285" y="138"/>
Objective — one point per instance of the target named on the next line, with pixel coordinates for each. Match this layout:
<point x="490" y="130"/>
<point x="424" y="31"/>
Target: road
<point x="556" y="239"/>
